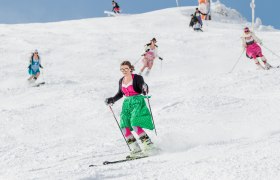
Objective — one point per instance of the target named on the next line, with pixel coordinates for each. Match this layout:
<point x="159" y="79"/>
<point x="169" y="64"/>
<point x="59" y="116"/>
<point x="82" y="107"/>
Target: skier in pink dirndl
<point x="253" y="50"/>
<point x="151" y="52"/>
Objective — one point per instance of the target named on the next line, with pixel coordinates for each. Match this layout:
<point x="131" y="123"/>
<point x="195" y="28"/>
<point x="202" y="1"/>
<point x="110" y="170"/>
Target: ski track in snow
<point x="211" y="124"/>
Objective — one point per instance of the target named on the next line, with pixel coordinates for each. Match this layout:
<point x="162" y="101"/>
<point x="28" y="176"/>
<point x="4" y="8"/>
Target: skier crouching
<point x="135" y="114"/>
<point x="253" y="50"/>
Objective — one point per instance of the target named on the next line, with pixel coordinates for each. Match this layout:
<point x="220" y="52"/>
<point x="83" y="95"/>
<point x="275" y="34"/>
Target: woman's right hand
<point x="109" y="101"/>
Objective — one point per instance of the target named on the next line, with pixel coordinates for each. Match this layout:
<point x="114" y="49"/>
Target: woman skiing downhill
<point x="116" y="8"/>
<point x="135" y="114"/>
<point x="34" y="66"/>
<point x="151" y="52"/>
<point x="198" y="15"/>
<point x="253" y="50"/>
<point x="195" y="24"/>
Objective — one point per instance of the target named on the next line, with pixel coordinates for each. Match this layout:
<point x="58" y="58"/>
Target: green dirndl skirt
<point x="136" y="113"/>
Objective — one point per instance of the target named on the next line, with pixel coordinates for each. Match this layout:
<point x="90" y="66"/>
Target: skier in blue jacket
<point x="34" y="66"/>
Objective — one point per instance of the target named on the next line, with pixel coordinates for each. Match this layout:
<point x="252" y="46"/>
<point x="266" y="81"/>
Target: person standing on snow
<point x="34" y="66"/>
<point x="151" y="52"/>
<point x="198" y="14"/>
<point x="135" y="114"/>
<point x="116" y="7"/>
<point x="195" y="24"/>
<point x="253" y="50"/>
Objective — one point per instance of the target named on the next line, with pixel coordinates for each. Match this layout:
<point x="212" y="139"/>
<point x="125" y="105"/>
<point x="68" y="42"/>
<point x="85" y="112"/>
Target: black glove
<point x="29" y="67"/>
<point x="147" y="50"/>
<point x="160" y="58"/>
<point x="41" y="66"/>
<point x="109" y="101"/>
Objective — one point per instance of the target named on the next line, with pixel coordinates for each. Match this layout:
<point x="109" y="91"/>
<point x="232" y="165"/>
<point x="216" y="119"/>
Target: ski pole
<point x="161" y="67"/>
<point x="119" y="126"/>
<point x="137" y="61"/>
<point x="160" y="58"/>
<point x="271" y="51"/>
<point x="43" y="75"/>
<point x="237" y="61"/>
<point x="152" y="115"/>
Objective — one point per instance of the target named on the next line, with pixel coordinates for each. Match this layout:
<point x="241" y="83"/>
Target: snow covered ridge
<point x="222" y="13"/>
<point x="219" y="12"/>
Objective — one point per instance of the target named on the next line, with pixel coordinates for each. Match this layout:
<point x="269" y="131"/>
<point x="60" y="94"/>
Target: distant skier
<point x="135" y="115"/>
<point x="198" y="14"/>
<point x="253" y="50"/>
<point x="34" y="66"/>
<point x="151" y="52"/>
<point x="116" y="8"/>
<point x="195" y="24"/>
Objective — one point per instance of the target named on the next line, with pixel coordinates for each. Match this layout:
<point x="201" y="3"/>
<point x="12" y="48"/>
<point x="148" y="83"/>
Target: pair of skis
<point x="38" y="84"/>
<point x="274" y="67"/>
<point x="271" y="67"/>
<point x="118" y="161"/>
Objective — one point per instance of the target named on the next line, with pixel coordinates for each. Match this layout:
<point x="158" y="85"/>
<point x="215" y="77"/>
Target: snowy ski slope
<point x="211" y="124"/>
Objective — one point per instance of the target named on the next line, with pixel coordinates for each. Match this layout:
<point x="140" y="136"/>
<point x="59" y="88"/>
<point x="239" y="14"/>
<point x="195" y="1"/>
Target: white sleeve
<point x="156" y="52"/>
<point x="243" y="41"/>
<point x="146" y="48"/>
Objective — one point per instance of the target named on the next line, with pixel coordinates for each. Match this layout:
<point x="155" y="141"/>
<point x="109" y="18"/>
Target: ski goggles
<point x="246" y="29"/>
<point x="124" y="69"/>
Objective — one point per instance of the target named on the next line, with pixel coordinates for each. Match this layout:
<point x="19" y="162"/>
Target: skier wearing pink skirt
<point x="151" y="52"/>
<point x="253" y="50"/>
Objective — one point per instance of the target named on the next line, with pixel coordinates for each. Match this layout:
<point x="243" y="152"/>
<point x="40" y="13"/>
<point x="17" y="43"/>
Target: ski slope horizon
<point x="211" y="124"/>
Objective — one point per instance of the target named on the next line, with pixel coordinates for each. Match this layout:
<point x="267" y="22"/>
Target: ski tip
<point x="92" y="165"/>
<point x="105" y="162"/>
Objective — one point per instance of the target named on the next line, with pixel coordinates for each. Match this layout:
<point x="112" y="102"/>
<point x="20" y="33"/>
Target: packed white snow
<point x="211" y="124"/>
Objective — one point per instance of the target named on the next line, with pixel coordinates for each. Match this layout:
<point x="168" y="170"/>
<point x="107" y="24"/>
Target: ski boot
<point x="32" y="79"/>
<point x="135" y="149"/>
<point x="148" y="146"/>
<point x="147" y="72"/>
<point x="259" y="66"/>
<point x="267" y="66"/>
